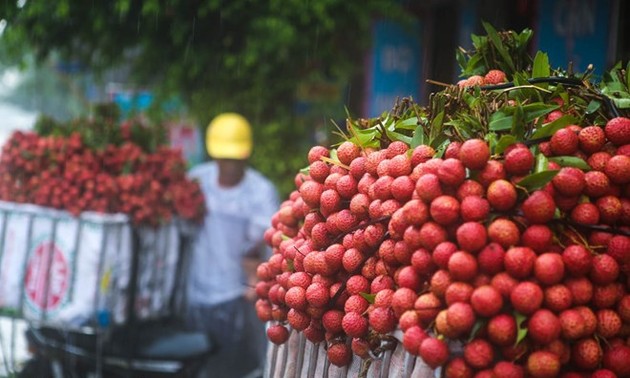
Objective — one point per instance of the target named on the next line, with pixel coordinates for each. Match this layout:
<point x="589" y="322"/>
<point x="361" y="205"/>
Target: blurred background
<point x="295" y="68"/>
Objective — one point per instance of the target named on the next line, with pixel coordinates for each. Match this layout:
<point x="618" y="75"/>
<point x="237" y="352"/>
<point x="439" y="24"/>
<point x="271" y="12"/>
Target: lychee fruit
<point x="564" y="142"/>
<point x="339" y="354"/>
<point x="591" y="139"/>
<point x="502" y="330"/>
<point x="486" y="300"/>
<point x="518" y="161"/>
<point x="501" y="194"/>
<point x="277" y="334"/>
<point x="526" y="297"/>
<point x="543" y="364"/>
<point x="478" y="353"/>
<point x="494" y="77"/>
<point x="539" y="207"/>
<point x="434" y="352"/>
<point x="618" y="130"/>
<point x="474" y="153"/>
<point x="543" y="326"/>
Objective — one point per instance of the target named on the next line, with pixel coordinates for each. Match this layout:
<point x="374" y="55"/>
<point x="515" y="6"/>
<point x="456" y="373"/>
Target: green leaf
<point x="436" y="126"/>
<point x="406" y="124"/>
<point x="541" y="66"/>
<point x="522" y="331"/>
<point x="518" y="123"/>
<point x="395" y="136"/>
<point x="478" y="326"/>
<point x="368" y="297"/>
<point x="593" y="106"/>
<point x="505" y="141"/>
<point x="571" y="161"/>
<point x="496" y="41"/>
<point x="500" y="121"/>
<point x="537" y="180"/>
<point x="306" y="170"/>
<point x="418" y="137"/>
<point x="365" y="137"/>
<point x="548" y="129"/>
<point x="542" y="163"/>
<point x="622" y="103"/>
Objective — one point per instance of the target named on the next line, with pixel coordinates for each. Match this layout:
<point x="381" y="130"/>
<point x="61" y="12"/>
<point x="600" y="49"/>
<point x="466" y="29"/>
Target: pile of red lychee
<point x="533" y="280"/>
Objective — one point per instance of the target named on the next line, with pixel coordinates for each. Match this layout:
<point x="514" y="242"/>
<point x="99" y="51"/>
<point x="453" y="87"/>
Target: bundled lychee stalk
<point x="63" y="172"/>
<point x="497" y="218"/>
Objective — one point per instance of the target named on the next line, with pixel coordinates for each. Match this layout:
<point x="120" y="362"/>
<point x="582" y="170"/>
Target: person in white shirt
<point x="227" y="247"/>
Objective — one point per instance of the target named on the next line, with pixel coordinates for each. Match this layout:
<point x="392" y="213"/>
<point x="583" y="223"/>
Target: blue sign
<point x="575" y="31"/>
<point x="394" y="66"/>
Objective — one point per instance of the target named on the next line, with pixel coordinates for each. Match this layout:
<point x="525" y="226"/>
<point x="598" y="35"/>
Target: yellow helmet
<point x="229" y="136"/>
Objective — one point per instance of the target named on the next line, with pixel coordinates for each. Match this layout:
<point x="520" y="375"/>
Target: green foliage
<point x="241" y="55"/>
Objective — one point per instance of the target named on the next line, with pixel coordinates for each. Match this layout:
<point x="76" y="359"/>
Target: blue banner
<point x="394" y="66"/>
<point x="575" y="31"/>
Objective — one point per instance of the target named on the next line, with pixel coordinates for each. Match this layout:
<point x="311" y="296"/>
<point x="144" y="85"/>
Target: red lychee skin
<point x="421" y="153"/>
<point x="316" y="153"/>
<point x="539" y="207"/>
<point x="478" y="353"/>
<point x="427" y="306"/>
<point x="432" y="234"/>
<point x="490" y="259"/>
<point x="549" y="268"/>
<point x="519" y="262"/>
<point x="623" y="150"/>
<point x="460" y="317"/>
<point x="277" y="334"/>
<point x="586" y="354"/>
<point x="596" y="184"/>
<point x="311" y="191"/>
<point x="610" y="209"/>
<point x="494" y="77"/>
<point x="408" y="319"/>
<point x="458" y="291"/>
<point x="486" y="301"/>
<point x="598" y="160"/>
<point x="383" y="298"/>
<point x="319" y="170"/>
<point x="462" y="266"/>
<point x="468" y="188"/>
<point x="518" y="161"/>
<point x="471" y="236"/>
<point x="354" y="324"/>
<point x="564" y="142"/>
<point x="442" y="253"/>
<point x="569" y="181"/>
<point x="348" y="151"/>
<point x="616" y="359"/>
<point x="623" y="308"/>
<point x="439" y="282"/>
<point x="317" y="295"/>
<point x="346" y="186"/>
<point x="298" y="320"/>
<point x="504" y="232"/>
<point x="474" y="208"/>
<point x="494" y="170"/>
<point x="608" y="323"/>
<point x="457" y="367"/>
<point x="618" y="169"/>
<point x="402" y="188"/>
<point x="604" y="269"/>
<point x="502" y="330"/>
<point x="381" y="282"/>
<point x="382" y="320"/>
<point x="618" y="131"/>
<point x="434" y="352"/>
<point x="339" y="354"/>
<point x="355" y="303"/>
<point x="409" y="278"/>
<point x="502" y="195"/>
<point x="543" y="364"/>
<point x="572" y="323"/>
<point x="505" y="283"/>
<point x="526" y="297"/>
<point x="428" y="187"/>
<point x="331" y="321"/>
<point x="557" y="298"/>
<point x="400" y="165"/>
<point x="357" y="167"/>
<point x="412" y="338"/>
<point x="585" y="213"/>
<point x="422" y="262"/>
<point x="603" y="373"/>
<point x="506" y="369"/>
<point x="474" y="153"/>
<point x="606" y="296"/>
<point x="403" y="299"/>
<point x="591" y="139"/>
<point x="577" y="260"/>
<point x="451" y="172"/>
<point x="589" y="320"/>
<point x="543" y="326"/>
<point x="537" y="237"/>
<point x="581" y="289"/>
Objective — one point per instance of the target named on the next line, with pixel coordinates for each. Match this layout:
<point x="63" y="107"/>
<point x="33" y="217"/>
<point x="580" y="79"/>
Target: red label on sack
<point x="37" y="280"/>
